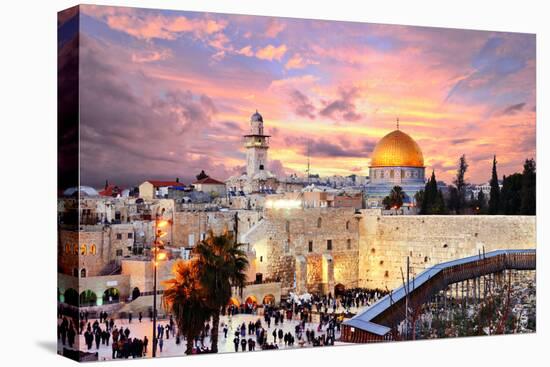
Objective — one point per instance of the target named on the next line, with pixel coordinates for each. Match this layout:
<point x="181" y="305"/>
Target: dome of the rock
<point x="397" y="149"/>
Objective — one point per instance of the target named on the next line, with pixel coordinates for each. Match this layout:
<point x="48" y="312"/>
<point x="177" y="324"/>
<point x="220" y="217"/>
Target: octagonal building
<point x="397" y="160"/>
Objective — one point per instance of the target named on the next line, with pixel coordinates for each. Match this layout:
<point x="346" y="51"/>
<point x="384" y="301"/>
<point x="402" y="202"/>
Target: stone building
<point x="397" y="160"/>
<point x="257" y="177"/>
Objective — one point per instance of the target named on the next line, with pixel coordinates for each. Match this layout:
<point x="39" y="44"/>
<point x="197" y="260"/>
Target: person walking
<point x="145" y="344"/>
<point x="161" y="344"/>
<point x="140" y="315"/>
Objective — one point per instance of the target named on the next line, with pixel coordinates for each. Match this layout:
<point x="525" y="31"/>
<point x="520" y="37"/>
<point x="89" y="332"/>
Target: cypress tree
<point x="494" y="199"/>
<point x="529" y="188"/>
<point x="460" y="183"/>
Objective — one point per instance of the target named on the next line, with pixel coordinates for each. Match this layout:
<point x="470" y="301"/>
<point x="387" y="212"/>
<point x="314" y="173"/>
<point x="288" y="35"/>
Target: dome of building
<point x="397" y="149"/>
<point x="256" y="117"/>
<point x="81" y="191"/>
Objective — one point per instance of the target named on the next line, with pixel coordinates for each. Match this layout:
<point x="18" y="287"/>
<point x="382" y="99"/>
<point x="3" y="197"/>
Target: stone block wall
<point x="386" y="241"/>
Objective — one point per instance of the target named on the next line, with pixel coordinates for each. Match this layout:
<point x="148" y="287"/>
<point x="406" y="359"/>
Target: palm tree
<point x="185" y="297"/>
<point x="223" y="266"/>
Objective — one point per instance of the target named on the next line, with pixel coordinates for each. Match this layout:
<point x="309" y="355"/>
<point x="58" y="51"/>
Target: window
<point x="349" y="244"/>
<point x="83" y="273"/>
<point x="261" y="167"/>
<point x="319" y="222"/>
<point x="93" y="249"/>
<point x="83" y="249"/>
<point x="130" y="236"/>
<point x="329" y="245"/>
<point x="287" y="226"/>
<point x="310" y="246"/>
<point x="261" y="258"/>
<point x="119" y="236"/>
<point x="67" y="248"/>
<point x="391" y="174"/>
<point x="119" y="252"/>
<point x="347" y="224"/>
<point x="75" y="249"/>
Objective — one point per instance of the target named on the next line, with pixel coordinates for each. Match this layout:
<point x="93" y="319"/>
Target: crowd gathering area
<point x="299" y="321"/>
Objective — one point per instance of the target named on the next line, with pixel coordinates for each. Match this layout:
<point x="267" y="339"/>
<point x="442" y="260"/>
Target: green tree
<point x="223" y="266"/>
<point x="419" y="198"/>
<point x="529" y="188"/>
<point x="453" y="203"/>
<point x="185" y="297"/>
<point x="433" y="202"/>
<point x="510" y="194"/>
<point x="395" y="198"/>
<point x="494" y="196"/>
<point x="460" y="183"/>
<point x="201" y="175"/>
<point x="481" y="203"/>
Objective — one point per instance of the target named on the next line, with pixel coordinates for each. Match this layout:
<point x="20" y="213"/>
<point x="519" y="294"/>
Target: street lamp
<point x="158" y="245"/>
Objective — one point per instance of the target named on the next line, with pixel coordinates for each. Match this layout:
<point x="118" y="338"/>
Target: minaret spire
<point x="397" y="123"/>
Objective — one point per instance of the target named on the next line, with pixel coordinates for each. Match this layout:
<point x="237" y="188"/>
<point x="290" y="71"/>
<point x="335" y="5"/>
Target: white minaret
<point x="256" y="144"/>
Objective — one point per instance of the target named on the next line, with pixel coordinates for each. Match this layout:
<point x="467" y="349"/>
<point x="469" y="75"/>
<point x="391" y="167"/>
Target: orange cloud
<point x="271" y="52"/>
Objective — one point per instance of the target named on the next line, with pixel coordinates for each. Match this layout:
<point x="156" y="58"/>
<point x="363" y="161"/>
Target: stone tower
<point x="256" y="144"/>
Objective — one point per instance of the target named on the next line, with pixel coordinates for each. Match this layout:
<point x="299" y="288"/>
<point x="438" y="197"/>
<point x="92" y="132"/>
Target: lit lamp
<point x="158" y="255"/>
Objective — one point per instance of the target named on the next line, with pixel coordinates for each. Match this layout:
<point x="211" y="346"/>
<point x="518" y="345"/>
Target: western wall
<point x="316" y="249"/>
<point x="386" y="241"/>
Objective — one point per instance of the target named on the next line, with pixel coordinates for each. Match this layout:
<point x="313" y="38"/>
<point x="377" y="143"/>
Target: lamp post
<point x="157" y="256"/>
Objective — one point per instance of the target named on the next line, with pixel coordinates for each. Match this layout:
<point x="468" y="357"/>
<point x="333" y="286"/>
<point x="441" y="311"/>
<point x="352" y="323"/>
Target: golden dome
<point x="397" y="149"/>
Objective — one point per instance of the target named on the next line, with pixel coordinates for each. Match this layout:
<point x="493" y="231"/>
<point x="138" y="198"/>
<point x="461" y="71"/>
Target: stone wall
<point x="283" y="240"/>
<point x="189" y="225"/>
<point x="386" y="241"/>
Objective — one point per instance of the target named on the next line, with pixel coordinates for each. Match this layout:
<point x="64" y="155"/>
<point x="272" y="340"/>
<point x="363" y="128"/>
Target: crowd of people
<point x="319" y="320"/>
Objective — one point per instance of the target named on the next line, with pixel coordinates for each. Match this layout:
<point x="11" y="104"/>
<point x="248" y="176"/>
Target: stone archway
<point x="136" y="293"/>
<point x="269" y="299"/>
<point x="251" y="300"/>
<point x="70" y="297"/>
<point x="111" y="295"/>
<point x="88" y="298"/>
<point x="233" y="301"/>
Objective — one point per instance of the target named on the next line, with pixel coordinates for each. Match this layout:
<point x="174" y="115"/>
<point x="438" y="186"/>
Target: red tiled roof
<point x="208" y="180"/>
<point x="110" y="190"/>
<point x="164" y="183"/>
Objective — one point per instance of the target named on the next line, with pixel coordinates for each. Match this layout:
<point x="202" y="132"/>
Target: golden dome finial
<point x="398" y="123"/>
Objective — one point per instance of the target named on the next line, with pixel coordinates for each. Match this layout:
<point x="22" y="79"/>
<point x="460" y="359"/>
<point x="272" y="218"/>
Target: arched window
<point x="93" y="249"/>
<point x="349" y="244"/>
<point x="319" y="222"/>
<point x="75" y="249"/>
<point x="83" y="249"/>
<point x="83" y="273"/>
<point x="67" y="248"/>
<point x="347" y="224"/>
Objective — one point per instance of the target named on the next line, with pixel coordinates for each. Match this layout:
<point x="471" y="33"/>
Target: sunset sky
<point x="165" y="94"/>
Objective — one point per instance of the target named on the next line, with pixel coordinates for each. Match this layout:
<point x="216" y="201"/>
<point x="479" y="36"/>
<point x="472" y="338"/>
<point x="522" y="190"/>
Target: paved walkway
<point x="170" y="348"/>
